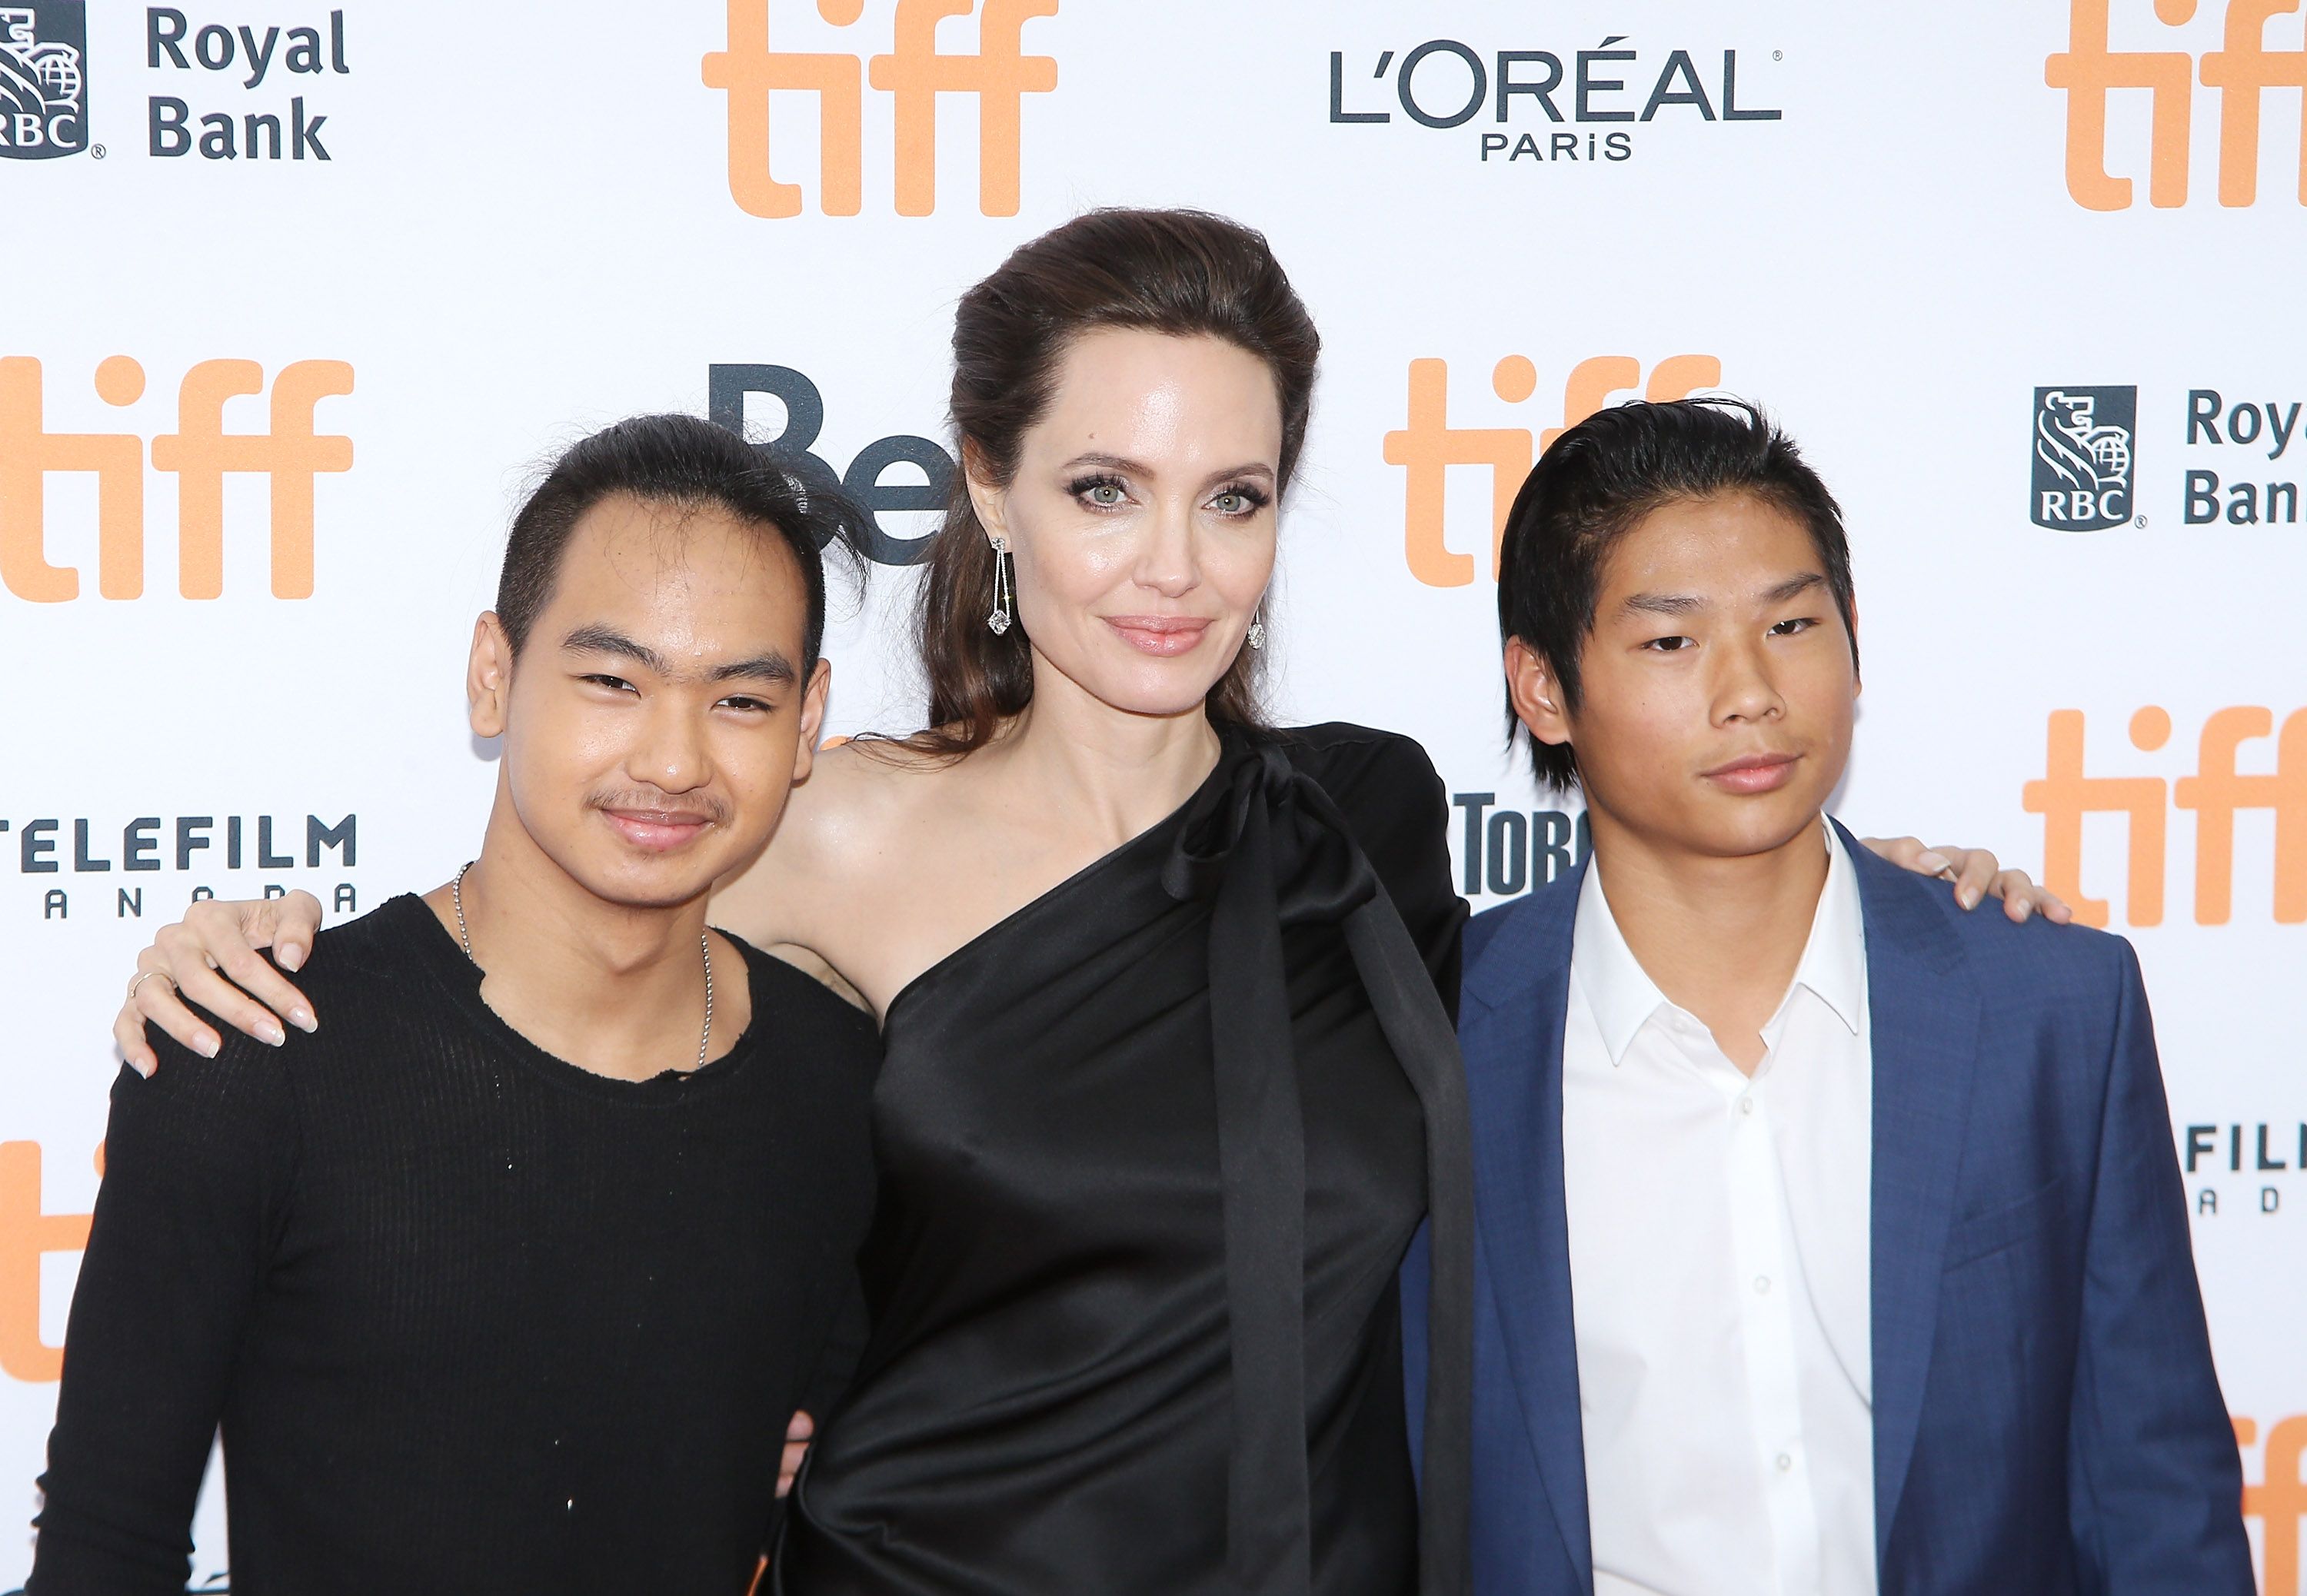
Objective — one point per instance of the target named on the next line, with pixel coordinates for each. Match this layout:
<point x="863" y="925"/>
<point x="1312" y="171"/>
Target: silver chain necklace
<point x="704" y="946"/>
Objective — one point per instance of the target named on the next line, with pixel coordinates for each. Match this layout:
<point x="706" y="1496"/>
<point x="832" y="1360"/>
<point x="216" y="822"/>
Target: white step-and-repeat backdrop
<point x="295" y="296"/>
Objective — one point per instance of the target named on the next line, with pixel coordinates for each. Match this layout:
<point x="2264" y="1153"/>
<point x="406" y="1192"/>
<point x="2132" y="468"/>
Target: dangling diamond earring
<point x="1004" y="610"/>
<point x="1255" y="635"/>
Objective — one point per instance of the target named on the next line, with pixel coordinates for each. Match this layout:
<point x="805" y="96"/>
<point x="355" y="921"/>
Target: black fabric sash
<point x="1229" y="845"/>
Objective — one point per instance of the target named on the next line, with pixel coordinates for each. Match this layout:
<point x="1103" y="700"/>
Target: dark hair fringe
<point x="1598" y="480"/>
<point x="677" y="461"/>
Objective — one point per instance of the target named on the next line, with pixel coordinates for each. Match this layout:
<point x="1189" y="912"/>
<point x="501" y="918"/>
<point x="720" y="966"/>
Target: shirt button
<point x="1785" y="1462"/>
<point x="1745" y="1105"/>
<point x="1762" y="1284"/>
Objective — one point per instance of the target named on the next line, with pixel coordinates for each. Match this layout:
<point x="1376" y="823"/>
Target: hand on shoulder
<point x="1976" y="874"/>
<point x="210" y="957"/>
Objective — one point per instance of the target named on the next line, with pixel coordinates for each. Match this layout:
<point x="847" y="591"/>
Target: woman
<point x="1167" y="1083"/>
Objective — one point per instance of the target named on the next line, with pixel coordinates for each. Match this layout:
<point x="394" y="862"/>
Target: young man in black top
<point x="510" y="1279"/>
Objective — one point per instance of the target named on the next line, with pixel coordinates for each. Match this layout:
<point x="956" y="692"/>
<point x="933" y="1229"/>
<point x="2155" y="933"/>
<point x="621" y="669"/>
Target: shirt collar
<point x="1622" y="996"/>
<point x="1833" y="964"/>
<point x="1618" y="989"/>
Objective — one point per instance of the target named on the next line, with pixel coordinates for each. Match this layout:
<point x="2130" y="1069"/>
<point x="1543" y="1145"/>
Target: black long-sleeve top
<point x="471" y="1319"/>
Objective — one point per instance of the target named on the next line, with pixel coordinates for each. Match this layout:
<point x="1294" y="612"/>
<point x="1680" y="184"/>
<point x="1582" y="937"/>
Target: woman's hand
<point x="1976" y="873"/>
<point x="209" y="956"/>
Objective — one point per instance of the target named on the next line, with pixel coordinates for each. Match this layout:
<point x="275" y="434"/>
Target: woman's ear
<point x="488" y="676"/>
<point x="991" y="501"/>
<point x="1535" y="693"/>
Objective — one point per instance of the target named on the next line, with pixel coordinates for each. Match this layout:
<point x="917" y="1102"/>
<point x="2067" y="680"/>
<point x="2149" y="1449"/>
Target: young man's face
<point x="655" y="720"/>
<point x="1717" y="684"/>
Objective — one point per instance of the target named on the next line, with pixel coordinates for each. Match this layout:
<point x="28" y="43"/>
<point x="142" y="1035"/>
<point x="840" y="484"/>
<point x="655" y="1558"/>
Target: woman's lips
<point x="658" y="830"/>
<point x="1162" y="635"/>
<point x="1757" y="773"/>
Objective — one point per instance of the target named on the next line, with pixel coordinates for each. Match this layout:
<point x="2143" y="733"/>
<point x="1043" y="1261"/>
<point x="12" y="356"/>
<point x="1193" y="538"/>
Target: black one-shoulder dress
<point x="1150" y="1151"/>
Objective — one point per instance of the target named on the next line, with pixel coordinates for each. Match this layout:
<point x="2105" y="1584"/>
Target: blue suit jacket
<point x="2046" y="1418"/>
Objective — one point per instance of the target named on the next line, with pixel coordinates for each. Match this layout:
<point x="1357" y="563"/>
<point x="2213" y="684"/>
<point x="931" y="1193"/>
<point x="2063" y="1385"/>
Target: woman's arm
<point x="807" y="890"/>
<point x="788" y="899"/>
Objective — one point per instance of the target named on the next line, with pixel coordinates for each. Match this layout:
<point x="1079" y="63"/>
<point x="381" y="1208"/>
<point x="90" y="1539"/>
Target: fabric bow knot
<point x="1268" y="822"/>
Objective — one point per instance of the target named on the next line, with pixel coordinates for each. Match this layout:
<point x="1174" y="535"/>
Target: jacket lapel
<point x="1512" y="1039"/>
<point x="1925" y="1035"/>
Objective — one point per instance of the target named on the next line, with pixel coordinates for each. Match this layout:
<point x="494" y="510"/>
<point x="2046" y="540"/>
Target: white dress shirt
<point x="1719" y="1266"/>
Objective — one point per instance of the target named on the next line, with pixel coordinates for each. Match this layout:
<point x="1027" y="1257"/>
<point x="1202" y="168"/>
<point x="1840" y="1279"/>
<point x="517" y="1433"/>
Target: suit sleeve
<point x="2154" y="1483"/>
<point x="193" y="1172"/>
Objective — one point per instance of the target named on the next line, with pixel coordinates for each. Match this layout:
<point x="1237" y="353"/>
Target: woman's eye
<point x="1236" y="502"/>
<point x="1102" y="492"/>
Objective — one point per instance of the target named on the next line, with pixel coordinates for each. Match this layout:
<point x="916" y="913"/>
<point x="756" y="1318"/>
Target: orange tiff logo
<point x="27" y="1235"/>
<point x="2279" y="1500"/>
<point x="2215" y="793"/>
<point x="913" y="73"/>
<point x="2241" y="69"/>
<point x="1428" y="446"/>
<point x="199" y="453"/>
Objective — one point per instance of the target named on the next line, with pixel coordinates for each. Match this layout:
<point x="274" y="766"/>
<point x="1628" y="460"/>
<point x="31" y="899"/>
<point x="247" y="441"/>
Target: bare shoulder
<point x="845" y="830"/>
<point x="862" y="796"/>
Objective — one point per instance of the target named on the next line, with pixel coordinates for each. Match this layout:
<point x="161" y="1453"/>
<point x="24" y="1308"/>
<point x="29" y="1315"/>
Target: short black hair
<point x="1598" y="480"/>
<point x="683" y="463"/>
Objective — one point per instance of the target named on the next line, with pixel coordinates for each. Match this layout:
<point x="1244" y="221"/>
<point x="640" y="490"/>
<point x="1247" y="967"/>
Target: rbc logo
<point x="2084" y="456"/>
<point x="43" y="82"/>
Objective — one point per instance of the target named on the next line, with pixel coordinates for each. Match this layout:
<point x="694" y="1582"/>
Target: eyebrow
<point x="770" y="667"/>
<point x="1691" y="603"/>
<point x="1129" y="467"/>
<point x="1665" y="604"/>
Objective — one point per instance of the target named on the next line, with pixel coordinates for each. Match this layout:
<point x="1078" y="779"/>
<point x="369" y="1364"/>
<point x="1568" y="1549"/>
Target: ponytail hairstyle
<point x="1184" y="273"/>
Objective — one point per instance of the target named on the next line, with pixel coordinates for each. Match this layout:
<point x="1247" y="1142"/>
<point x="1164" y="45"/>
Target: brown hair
<point x="1180" y="272"/>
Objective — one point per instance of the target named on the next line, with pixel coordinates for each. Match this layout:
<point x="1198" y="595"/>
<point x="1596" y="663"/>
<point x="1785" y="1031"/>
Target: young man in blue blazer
<point x="1831" y="1240"/>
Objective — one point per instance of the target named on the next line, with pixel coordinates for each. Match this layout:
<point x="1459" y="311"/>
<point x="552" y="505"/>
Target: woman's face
<point x="1141" y="517"/>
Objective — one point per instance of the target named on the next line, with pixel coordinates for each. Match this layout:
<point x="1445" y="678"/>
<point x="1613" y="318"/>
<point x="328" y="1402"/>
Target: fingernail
<point x="302" y="1019"/>
<point x="292" y="957"/>
<point x="1969" y="895"/>
<point x="2025" y="909"/>
<point x="1934" y="862"/>
<point x="271" y="1031"/>
<point x="207" y="1047"/>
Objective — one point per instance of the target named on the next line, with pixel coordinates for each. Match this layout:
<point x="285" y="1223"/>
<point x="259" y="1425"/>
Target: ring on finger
<point x="140" y="980"/>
